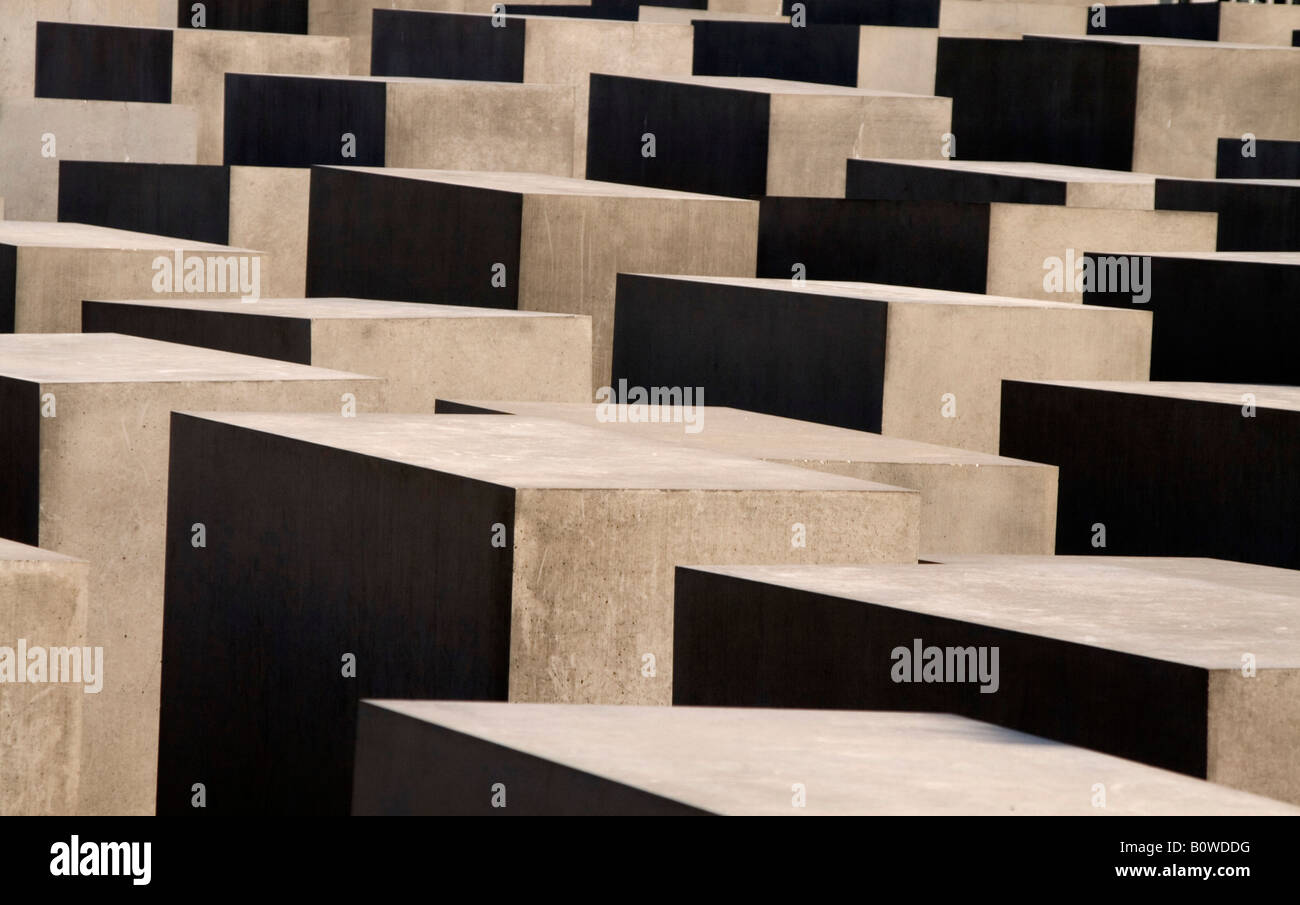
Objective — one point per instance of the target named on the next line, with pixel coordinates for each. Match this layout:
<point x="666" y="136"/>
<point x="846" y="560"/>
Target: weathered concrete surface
<point x="399" y="122"/>
<point x="37" y="132"/>
<point x="57" y="265"/>
<point x="1225" y="317"/>
<point x="989" y="19"/>
<point x="862" y="355"/>
<point x="984" y="181"/>
<point x="42" y="602"/>
<point x="556" y="759"/>
<point x="539" y="50"/>
<point x="18" y="31"/>
<point x="504" y="557"/>
<point x="514" y="240"/>
<point x="422" y="351"/>
<point x="84" y="468"/>
<point x="1165" y="468"/>
<point x="970" y="502"/>
<point x="748" y="137"/>
<point x="998" y="248"/>
<point x="1186" y="664"/>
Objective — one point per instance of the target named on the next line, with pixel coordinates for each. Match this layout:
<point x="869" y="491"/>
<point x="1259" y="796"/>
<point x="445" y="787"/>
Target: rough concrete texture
<point x="1257" y="23"/>
<point x="42" y="602"/>
<point x="200" y="57"/>
<point x="464" y="125"/>
<point x="985" y="340"/>
<point x="981" y="19"/>
<point x="268" y="211"/>
<point x="574" y="237"/>
<point x="1114" y="654"/>
<point x="18" y="31"/>
<point x="970" y="502"/>
<point x="37" y="132"/>
<point x="558" y="759"/>
<point x="60" y="264"/>
<point x="90" y="415"/>
<point x="422" y="351"/>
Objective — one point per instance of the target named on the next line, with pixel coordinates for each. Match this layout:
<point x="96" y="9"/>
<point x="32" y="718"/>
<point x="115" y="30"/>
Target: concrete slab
<point x="982" y="181"/>
<point x="1001" y="249"/>
<point x="908" y="13"/>
<point x="862" y="355"/>
<point x="183" y="66"/>
<point x="37" y="133"/>
<point x="422" y="351"/>
<point x="748" y="137"/>
<point x="18" y="32"/>
<point x="970" y="502"/>
<point x="513" y="240"/>
<point x="539" y="50"/>
<point x="42" y="606"/>
<point x="554" y="759"/>
<point x="866" y="56"/>
<point x="504" y="557"/>
<point x="1186" y="664"/>
<point x="47" y="269"/>
<point x="1261" y="159"/>
<point x="1227" y="317"/>
<point x="1127" y="99"/>
<point x="84" y="463"/>
<point x="450" y="124"/>
<point x="991" y="19"/>
<point x="1167" y="469"/>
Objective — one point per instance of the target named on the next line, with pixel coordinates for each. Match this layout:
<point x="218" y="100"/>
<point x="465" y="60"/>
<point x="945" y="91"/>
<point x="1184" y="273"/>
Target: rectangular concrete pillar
<point x="862" y="356"/>
<point x="748" y="137"/>
<point x="47" y="269"/>
<point x="422" y="351"/>
<point x="1126" y="97"/>
<point x="866" y="56"/>
<point x="1225" y="317"/>
<point x="42" y="690"/>
<point x="181" y="66"/>
<point x="36" y="134"/>
<point x="297" y="121"/>
<point x="503" y="557"/>
<point x="970" y="502"/>
<point x="83" y="471"/>
<point x="513" y="240"/>
<point x="982" y="182"/>
<point x="998" y="248"/>
<point x="1184" y="664"/>
<point x="1165" y="469"/>
<point x="441" y="757"/>
<point x="539" y="50"/>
